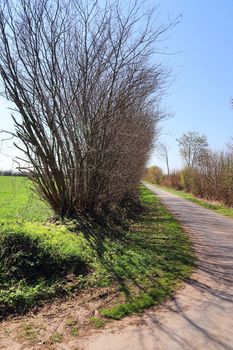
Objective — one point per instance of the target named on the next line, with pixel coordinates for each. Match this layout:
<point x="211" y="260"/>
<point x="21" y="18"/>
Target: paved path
<point x="201" y="315"/>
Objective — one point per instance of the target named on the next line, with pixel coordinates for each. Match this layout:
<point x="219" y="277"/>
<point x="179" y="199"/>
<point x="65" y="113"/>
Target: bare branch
<point x="81" y="77"/>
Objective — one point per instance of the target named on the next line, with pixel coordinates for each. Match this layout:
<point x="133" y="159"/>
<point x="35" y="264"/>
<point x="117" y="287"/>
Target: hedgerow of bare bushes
<point x="212" y="179"/>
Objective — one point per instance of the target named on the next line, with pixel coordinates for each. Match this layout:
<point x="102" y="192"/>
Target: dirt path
<point x="201" y="315"/>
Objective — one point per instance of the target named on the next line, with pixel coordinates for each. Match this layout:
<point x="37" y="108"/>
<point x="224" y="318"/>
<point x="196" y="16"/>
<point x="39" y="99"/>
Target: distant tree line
<point x="11" y="173"/>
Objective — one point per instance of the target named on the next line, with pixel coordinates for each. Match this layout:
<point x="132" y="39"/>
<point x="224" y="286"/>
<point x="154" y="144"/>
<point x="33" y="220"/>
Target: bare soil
<point x="58" y="325"/>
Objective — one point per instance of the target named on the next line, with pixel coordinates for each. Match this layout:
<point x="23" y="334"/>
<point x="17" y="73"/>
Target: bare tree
<point x="163" y="151"/>
<point x="86" y="97"/>
<point x="193" y="147"/>
<point x="229" y="144"/>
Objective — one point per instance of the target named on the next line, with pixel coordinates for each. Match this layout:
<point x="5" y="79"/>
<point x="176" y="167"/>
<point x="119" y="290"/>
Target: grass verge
<point x="217" y="207"/>
<point x="157" y="259"/>
<point x="144" y="259"/>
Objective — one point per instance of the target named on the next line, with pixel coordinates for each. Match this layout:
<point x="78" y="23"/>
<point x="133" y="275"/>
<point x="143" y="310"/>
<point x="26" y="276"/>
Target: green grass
<point x="35" y="260"/>
<point x="18" y="200"/>
<point x="56" y="337"/>
<point x="97" y="322"/>
<point x="158" y="257"/>
<point x="30" y="332"/>
<point x="217" y="207"/>
<point x="143" y="260"/>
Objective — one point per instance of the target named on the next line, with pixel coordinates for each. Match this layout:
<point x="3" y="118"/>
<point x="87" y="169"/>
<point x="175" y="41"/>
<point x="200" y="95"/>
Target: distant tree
<point x="163" y="151"/>
<point x="193" y="147"/>
<point x="229" y="144"/>
<point x="154" y="174"/>
<point x="86" y="92"/>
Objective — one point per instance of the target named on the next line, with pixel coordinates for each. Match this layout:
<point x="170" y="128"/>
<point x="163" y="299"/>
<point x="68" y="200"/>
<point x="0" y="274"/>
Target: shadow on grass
<point x="143" y="255"/>
<point x="140" y="254"/>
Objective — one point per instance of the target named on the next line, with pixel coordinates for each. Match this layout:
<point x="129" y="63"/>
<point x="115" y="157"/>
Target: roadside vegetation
<point x="206" y="178"/>
<point x="217" y="207"/>
<point x="174" y="183"/>
<point x="143" y="257"/>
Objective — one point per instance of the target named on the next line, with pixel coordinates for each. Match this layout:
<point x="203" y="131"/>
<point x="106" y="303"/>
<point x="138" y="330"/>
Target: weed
<point x="74" y="331"/>
<point x="70" y="322"/>
<point x="97" y="322"/>
<point x="56" y="337"/>
<point x="30" y="332"/>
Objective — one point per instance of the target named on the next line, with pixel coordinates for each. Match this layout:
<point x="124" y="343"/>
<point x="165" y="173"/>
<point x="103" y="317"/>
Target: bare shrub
<point x="86" y="97"/>
<point x="173" y="180"/>
<point x="153" y="174"/>
<point x="216" y="177"/>
<point x="212" y="179"/>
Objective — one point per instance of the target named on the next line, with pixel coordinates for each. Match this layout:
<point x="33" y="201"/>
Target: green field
<point x="143" y="258"/>
<point x="19" y="201"/>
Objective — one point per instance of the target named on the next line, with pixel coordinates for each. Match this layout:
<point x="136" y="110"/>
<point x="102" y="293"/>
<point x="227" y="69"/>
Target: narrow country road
<point x="201" y="315"/>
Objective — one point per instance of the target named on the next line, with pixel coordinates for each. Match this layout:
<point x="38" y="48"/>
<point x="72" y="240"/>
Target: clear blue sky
<point x="199" y="96"/>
